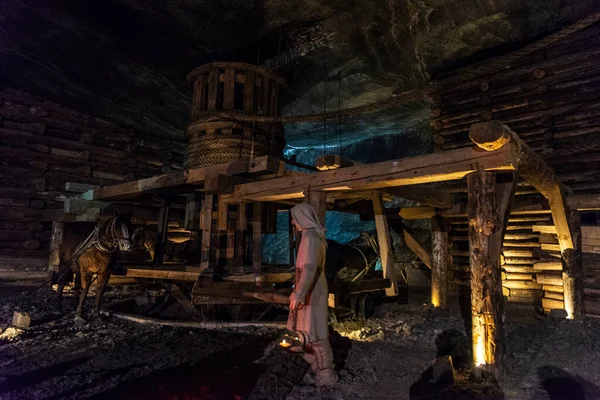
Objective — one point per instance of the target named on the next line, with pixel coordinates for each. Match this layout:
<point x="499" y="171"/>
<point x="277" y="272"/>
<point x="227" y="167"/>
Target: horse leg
<point x="86" y="281"/>
<point x="103" y="278"/>
<point x="62" y="280"/>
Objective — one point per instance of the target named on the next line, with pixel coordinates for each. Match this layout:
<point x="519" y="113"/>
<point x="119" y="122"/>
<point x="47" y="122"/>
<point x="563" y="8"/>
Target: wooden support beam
<point x="291" y="241"/>
<point x="184" y="301"/>
<point x="494" y="135"/>
<point x="222" y="211"/>
<point x="416" y="247"/>
<point x="428" y="168"/>
<point x="192" y="211"/>
<point x="318" y="200"/>
<point x="240" y="235"/>
<point x="161" y="233"/>
<point x="385" y="245"/>
<point x="411" y="213"/>
<point x="424" y="195"/>
<point x="206" y="226"/>
<point x="439" y="258"/>
<point x="58" y="229"/>
<point x="488" y="211"/>
<point x="257" y="237"/>
<point x="189" y="178"/>
<point x="572" y="275"/>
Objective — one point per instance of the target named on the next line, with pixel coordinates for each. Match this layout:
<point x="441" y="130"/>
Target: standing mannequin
<point x="308" y="302"/>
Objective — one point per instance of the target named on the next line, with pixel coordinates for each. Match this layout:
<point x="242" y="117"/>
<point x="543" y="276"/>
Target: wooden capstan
<point x="239" y="88"/>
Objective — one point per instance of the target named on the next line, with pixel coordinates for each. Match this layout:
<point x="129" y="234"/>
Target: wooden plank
<point x="192" y="211"/>
<point x="521" y="285"/>
<point x="552" y="303"/>
<point x="550" y="247"/>
<point x="206" y="226"/>
<point x="249" y="103"/>
<point x="385" y="245"/>
<point x="553" y="288"/>
<point x="170" y="275"/>
<point x="549" y="279"/>
<point x="228" y="89"/>
<point x="554" y="295"/>
<point x="77" y="187"/>
<point x="257" y="237"/>
<point x="187" y="178"/>
<point x="419" y="251"/>
<point x="548" y="266"/>
<point x="423" y="195"/>
<point x="161" y="233"/>
<point x="55" y="242"/>
<point x="408" y="171"/>
<point x="222" y="211"/>
<point x="544" y="228"/>
<point x="412" y="213"/>
<point x="213" y="84"/>
<point x="365" y="285"/>
<point x="240" y="235"/>
<point x="439" y="261"/>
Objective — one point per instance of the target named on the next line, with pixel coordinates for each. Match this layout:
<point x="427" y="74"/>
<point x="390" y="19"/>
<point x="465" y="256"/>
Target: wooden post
<point x="318" y="200"/>
<point x="257" y="237"/>
<point x="192" y="211"/>
<point x="488" y="211"/>
<point x="58" y="229"/>
<point x="161" y="233"/>
<point x="206" y="226"/>
<point x="439" y="261"/>
<point x="291" y="242"/>
<point x="240" y="235"/>
<point x="572" y="274"/>
<point x="493" y="135"/>
<point x="385" y="245"/>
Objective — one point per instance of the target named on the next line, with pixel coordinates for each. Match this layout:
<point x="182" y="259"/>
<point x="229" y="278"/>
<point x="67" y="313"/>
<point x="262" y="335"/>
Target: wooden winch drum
<point x="241" y="88"/>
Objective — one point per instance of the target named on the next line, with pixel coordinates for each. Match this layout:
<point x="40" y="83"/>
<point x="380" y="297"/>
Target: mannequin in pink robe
<point x="308" y="302"/>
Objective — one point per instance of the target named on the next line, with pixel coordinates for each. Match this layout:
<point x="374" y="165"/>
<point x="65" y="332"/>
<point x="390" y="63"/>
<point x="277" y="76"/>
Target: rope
<point x="223" y="148"/>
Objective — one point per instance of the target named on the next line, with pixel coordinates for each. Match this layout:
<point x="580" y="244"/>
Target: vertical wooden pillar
<point x="319" y="202"/>
<point x="161" y="233"/>
<point x="486" y="229"/>
<point x="58" y="229"/>
<point x="192" y="211"/>
<point x="573" y="270"/>
<point x="257" y="237"/>
<point x="439" y="261"/>
<point x="240" y="235"/>
<point x="385" y="245"/>
<point x="206" y="226"/>
<point x="291" y="242"/>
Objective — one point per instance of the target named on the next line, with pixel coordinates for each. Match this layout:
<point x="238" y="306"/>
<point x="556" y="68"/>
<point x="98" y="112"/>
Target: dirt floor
<point x="388" y="356"/>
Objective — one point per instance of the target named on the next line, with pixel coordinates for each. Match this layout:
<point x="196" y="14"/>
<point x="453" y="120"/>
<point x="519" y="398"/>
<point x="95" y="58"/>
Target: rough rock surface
<point x="388" y="356"/>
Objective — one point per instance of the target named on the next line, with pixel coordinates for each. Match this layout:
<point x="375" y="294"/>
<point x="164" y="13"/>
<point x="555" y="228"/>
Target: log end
<point x="490" y="135"/>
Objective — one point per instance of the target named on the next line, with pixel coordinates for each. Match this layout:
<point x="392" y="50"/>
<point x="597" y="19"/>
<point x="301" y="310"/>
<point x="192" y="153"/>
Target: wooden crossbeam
<point x="185" y="178"/>
<point x="385" y="245"/>
<point x="423" y="169"/>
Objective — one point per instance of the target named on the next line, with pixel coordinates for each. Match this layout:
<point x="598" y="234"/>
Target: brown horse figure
<point x="83" y="256"/>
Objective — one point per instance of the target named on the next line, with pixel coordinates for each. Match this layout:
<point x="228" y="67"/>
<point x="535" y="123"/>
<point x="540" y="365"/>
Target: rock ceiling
<point x="126" y="60"/>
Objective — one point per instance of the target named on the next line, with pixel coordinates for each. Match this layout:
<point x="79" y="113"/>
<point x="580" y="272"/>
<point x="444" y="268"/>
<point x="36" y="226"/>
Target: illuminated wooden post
<point x="385" y="245"/>
<point x="572" y="275"/>
<point x="439" y="261"/>
<point x="487" y="303"/>
<point x="493" y="135"/>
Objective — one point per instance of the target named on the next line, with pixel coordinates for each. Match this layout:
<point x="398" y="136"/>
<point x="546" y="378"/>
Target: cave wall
<point x="43" y="145"/>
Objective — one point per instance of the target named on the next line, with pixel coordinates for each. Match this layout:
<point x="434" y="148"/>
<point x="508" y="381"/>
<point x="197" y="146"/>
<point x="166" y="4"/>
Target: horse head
<point x="367" y="244"/>
<point x="118" y="232"/>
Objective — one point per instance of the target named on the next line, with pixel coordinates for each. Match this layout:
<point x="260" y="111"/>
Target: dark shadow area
<point x="455" y="344"/>
<point x="562" y="385"/>
<point x="19" y="382"/>
<point x="227" y="374"/>
<point x="341" y="349"/>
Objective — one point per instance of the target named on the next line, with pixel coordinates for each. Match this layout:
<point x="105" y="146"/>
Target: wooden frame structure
<point x="231" y="187"/>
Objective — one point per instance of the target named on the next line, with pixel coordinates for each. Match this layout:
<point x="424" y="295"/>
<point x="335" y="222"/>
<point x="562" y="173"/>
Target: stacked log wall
<point x="550" y="98"/>
<point x="43" y="145"/>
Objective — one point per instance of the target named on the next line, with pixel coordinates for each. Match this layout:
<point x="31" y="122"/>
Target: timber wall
<point x="551" y="99"/>
<point x="43" y="145"/>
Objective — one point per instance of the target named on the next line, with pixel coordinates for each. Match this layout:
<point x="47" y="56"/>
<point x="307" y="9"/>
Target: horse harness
<point x="95" y="239"/>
